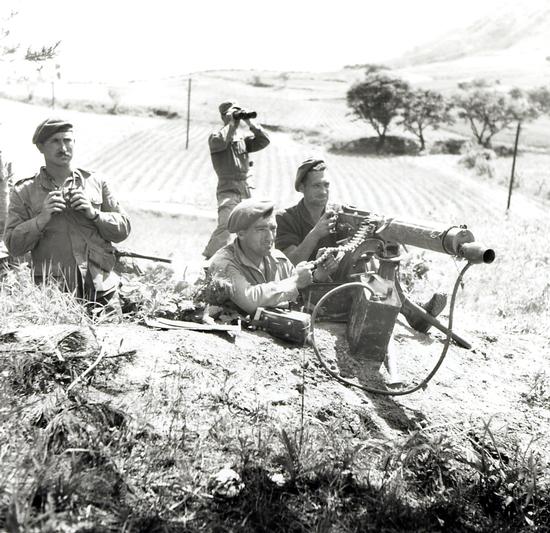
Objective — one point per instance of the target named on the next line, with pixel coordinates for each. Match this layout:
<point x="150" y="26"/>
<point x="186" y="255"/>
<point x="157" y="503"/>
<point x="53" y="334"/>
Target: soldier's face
<point x="58" y="149"/>
<point x="259" y="238"/>
<point x="226" y="117"/>
<point x="316" y="188"/>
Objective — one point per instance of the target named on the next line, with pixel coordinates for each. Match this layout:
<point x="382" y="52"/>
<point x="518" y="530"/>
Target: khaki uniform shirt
<point x="69" y="244"/>
<point x="229" y="151"/>
<point x="253" y="287"/>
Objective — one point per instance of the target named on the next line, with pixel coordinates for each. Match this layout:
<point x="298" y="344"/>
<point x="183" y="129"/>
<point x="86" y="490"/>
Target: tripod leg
<point x="410" y="309"/>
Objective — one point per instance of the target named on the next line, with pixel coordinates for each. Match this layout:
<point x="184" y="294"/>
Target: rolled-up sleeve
<point x="258" y="141"/>
<point x="220" y="140"/>
<point x="249" y="297"/>
<point x="112" y="223"/>
<point x="22" y="232"/>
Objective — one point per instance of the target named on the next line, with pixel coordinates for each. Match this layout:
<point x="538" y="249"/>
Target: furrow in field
<point x="118" y="154"/>
<point x="155" y="164"/>
<point x="143" y="162"/>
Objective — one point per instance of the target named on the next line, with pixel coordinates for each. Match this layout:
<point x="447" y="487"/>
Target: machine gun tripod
<point x="364" y="236"/>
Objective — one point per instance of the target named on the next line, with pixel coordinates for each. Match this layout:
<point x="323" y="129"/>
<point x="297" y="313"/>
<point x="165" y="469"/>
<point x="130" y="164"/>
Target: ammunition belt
<point x="363" y="231"/>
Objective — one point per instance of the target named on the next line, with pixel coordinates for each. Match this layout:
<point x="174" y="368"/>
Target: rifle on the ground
<point x="135" y="255"/>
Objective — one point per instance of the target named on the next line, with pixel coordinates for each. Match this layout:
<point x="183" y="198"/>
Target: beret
<point x="48" y="127"/>
<point x="224" y="106"/>
<point x="304" y="168"/>
<point x="247" y="212"/>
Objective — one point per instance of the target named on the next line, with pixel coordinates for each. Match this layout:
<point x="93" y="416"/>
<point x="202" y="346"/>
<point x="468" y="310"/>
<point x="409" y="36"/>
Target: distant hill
<point x="516" y="28"/>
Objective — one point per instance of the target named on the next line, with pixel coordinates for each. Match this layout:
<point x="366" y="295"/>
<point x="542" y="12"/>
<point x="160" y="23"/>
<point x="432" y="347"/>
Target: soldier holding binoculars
<point x="229" y="150"/>
<point x="67" y="218"/>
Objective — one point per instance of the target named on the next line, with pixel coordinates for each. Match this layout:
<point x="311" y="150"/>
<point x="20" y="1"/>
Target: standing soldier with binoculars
<point x="229" y="150"/>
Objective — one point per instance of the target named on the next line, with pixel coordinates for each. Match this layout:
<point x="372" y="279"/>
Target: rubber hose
<point x="372" y="390"/>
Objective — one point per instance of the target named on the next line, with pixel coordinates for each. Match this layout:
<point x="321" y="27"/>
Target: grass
<point x="71" y="460"/>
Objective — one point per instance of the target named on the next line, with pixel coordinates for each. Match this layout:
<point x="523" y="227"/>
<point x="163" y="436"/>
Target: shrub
<point x="481" y="160"/>
<point x="393" y="145"/>
<point x="449" y="146"/>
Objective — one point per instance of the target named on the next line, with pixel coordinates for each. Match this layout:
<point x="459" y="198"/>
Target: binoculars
<point x="244" y="115"/>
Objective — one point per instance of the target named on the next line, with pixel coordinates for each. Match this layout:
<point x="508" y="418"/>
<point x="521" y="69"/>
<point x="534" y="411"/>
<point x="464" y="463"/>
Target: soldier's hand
<point x="304" y="277"/>
<point x="328" y="266"/>
<point x="53" y="203"/>
<point x="326" y="224"/>
<point x="80" y="202"/>
<point x="229" y="115"/>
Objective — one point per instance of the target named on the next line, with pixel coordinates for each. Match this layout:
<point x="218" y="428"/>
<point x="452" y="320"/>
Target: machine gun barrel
<point x="455" y="240"/>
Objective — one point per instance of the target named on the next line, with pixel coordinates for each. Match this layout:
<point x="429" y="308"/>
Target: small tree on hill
<point x="425" y="109"/>
<point x="378" y="99"/>
<point x="540" y="98"/>
<point x="488" y="111"/>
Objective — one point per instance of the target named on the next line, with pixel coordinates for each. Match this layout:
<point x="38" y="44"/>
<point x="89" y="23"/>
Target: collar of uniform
<point x="304" y="212"/>
<point x="274" y="255"/>
<point x="47" y="182"/>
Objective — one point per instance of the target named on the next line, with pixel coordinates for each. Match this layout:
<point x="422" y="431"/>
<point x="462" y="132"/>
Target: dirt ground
<point x="501" y="382"/>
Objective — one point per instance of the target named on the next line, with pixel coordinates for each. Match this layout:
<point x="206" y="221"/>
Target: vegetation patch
<point x="393" y="145"/>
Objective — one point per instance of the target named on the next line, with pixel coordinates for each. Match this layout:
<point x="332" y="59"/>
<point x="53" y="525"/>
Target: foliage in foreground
<point x="88" y="467"/>
<point x="70" y="461"/>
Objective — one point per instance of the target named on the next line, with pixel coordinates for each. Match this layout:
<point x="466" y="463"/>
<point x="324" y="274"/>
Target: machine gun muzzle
<point x="475" y="252"/>
<point x="455" y="240"/>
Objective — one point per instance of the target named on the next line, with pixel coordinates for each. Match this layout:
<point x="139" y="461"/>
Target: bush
<point x="449" y="146"/>
<point x="393" y="145"/>
<point x="165" y="113"/>
<point x="256" y="81"/>
<point x="482" y="160"/>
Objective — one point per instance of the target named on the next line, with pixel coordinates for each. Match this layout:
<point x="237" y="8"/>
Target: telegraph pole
<point x="513" y="167"/>
<point x="188" y="112"/>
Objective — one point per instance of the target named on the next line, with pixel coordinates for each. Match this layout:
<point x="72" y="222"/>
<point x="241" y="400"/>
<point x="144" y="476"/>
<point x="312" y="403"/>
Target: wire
<point x="425" y="381"/>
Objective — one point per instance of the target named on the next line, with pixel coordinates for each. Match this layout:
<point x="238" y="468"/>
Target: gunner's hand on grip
<point x="304" y="275"/>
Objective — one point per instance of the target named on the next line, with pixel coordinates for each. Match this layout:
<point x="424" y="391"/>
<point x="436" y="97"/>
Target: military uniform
<point x="229" y="151"/>
<point x="293" y="226"/>
<point x="71" y="248"/>
<point x="271" y="284"/>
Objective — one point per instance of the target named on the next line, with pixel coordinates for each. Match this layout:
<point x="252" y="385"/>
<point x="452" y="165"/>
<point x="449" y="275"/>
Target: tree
<point x="540" y="98"/>
<point x="488" y="111"/>
<point x="422" y="109"/>
<point x="10" y="50"/>
<point x="378" y="100"/>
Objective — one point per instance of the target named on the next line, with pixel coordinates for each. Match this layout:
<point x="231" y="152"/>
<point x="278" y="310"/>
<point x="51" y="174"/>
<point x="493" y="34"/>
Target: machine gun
<point x="372" y="315"/>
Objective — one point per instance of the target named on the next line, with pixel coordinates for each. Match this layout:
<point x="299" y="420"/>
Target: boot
<point x="433" y="306"/>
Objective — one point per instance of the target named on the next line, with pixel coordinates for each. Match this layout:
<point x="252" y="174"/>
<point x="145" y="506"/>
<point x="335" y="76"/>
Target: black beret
<point x="304" y="168"/>
<point x="226" y="106"/>
<point x="48" y="127"/>
<point x="247" y="212"/>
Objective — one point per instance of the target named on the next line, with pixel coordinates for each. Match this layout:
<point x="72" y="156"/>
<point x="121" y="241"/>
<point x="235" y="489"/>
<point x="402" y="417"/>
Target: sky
<point x="121" y="40"/>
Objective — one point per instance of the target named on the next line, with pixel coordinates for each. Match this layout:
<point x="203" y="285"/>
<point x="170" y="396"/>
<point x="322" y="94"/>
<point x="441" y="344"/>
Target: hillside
<point x="512" y="28"/>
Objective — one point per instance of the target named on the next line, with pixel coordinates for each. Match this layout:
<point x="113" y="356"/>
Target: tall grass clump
<point x="24" y="302"/>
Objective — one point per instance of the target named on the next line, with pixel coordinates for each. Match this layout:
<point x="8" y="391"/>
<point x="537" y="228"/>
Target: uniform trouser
<point x="220" y="237"/>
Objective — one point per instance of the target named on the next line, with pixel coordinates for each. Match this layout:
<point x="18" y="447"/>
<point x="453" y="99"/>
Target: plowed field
<point x="153" y="165"/>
